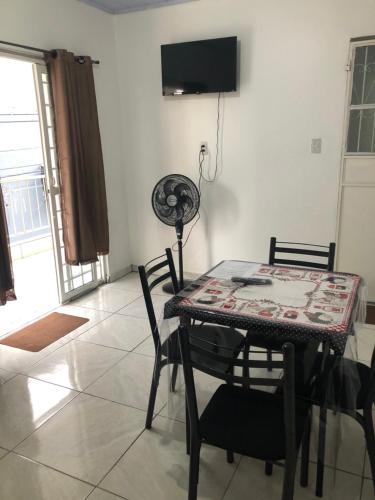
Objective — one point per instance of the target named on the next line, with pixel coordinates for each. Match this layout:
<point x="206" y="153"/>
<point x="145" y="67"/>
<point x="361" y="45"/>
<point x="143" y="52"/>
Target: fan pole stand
<point x="168" y="287"/>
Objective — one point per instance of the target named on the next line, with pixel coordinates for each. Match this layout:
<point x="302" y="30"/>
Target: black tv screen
<point x="199" y="67"/>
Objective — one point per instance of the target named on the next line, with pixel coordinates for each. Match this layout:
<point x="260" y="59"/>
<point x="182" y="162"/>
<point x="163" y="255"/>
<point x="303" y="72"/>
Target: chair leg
<point x="230" y="457"/>
<point x="153" y="391"/>
<point x="174" y="377"/>
<point x="289" y="476"/>
<point x="305" y="454"/>
<point x="269" y="360"/>
<point x="321" y="452"/>
<point x="268" y="469"/>
<point x="246" y="355"/>
<point x="187" y="428"/>
<point x="194" y="470"/>
<point x="370" y="440"/>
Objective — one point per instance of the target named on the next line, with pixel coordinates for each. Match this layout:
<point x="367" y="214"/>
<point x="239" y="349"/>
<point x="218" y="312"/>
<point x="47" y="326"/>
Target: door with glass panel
<point x="356" y="234"/>
<point x="72" y="280"/>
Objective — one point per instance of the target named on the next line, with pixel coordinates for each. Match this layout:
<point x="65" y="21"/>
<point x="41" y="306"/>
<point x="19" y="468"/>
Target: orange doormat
<point x="45" y="331"/>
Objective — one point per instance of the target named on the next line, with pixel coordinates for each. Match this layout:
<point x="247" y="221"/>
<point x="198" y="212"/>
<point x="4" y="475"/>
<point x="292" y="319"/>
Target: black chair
<point x="351" y="390"/>
<point x="168" y="352"/>
<point x="259" y="424"/>
<point x="326" y="254"/>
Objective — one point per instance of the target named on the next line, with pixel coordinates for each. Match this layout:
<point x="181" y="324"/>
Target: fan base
<point x="168" y="287"/>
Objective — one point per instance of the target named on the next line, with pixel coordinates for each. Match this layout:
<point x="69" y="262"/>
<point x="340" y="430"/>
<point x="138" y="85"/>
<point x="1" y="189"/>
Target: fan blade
<point x="181" y="189"/>
<point x="168" y="188"/>
<point x="165" y="211"/>
<point x="180" y="212"/>
<point x="160" y="198"/>
<point x="186" y="200"/>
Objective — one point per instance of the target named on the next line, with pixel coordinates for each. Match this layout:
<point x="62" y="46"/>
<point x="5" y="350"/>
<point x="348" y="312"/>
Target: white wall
<point x="74" y="26"/>
<point x="292" y="89"/>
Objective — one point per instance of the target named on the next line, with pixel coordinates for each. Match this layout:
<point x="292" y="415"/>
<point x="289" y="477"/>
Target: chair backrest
<point x="209" y="358"/>
<point x="370" y="398"/>
<point x="326" y="254"/>
<point x="165" y="269"/>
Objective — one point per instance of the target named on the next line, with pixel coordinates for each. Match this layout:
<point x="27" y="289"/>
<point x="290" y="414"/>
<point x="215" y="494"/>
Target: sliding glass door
<point x="72" y="280"/>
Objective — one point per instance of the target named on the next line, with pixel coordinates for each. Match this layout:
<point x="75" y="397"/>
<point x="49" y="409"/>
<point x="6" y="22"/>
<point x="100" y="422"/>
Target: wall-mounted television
<point x="199" y="67"/>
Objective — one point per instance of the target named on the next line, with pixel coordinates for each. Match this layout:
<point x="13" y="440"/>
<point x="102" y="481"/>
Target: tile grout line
<point x="44" y="423"/>
<point x="32" y="365"/>
<point x="120" y="458"/>
<point x="363" y="474"/>
<point x="77" y="393"/>
<point x="331" y="467"/>
<point x="116" y="348"/>
<point x="53" y="468"/>
<point x="107" y="491"/>
<point x="231" y="478"/>
<point x="13" y="450"/>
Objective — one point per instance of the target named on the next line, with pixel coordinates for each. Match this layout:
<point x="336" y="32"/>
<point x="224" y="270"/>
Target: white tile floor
<point x="72" y="420"/>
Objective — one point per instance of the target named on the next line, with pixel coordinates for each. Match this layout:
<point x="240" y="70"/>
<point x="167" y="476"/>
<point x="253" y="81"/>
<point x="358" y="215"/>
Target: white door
<point x="356" y="226"/>
<point x="72" y="280"/>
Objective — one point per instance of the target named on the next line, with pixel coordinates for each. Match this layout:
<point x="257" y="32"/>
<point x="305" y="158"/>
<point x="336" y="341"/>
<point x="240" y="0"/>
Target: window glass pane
<point x="86" y="268"/>
<point x="366" y="135"/>
<point x="87" y="278"/>
<point x="51" y="138"/>
<point x="353" y="132"/>
<point x="46" y="93"/>
<point x="49" y="116"/>
<point x="53" y="157"/>
<point x="358" y="75"/>
<point x="76" y="271"/>
<point x="59" y="220"/>
<point x="77" y="282"/>
<point x="19" y="135"/>
<point x="369" y="93"/>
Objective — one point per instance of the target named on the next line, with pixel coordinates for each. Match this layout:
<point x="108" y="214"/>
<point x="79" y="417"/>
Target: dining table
<point x="294" y="304"/>
<point x="281" y="303"/>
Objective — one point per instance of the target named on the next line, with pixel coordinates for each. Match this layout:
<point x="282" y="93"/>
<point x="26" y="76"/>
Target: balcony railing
<point x="26" y="208"/>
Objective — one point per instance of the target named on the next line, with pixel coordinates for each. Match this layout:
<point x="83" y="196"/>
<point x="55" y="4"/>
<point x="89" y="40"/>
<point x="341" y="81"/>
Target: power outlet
<point x="316" y="146"/>
<point x="204" y="148"/>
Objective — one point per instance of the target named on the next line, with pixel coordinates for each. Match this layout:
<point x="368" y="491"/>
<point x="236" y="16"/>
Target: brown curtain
<point x="6" y="274"/>
<point x="80" y="159"/>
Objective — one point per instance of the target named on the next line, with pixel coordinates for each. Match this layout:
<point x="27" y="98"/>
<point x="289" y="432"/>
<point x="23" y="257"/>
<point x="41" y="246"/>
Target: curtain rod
<point x="35" y="49"/>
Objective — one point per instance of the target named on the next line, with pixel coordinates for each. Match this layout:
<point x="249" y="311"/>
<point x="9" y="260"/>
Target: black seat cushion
<point x="250" y="422"/>
<point x="222" y="340"/>
<point x="349" y="383"/>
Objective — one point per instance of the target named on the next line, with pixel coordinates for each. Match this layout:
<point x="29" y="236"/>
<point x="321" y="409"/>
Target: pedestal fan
<point x="175" y="200"/>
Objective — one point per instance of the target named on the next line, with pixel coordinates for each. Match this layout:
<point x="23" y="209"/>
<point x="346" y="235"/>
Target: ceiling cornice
<point x="125" y="10"/>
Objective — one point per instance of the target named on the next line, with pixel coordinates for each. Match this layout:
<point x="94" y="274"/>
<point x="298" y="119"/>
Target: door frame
<point x="354" y="43"/>
<point x="41" y="79"/>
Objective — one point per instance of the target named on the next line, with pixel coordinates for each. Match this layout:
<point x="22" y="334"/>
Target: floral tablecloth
<point x="298" y="304"/>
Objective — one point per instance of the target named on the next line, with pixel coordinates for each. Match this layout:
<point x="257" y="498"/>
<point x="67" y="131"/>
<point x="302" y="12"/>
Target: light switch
<point x="316" y="146"/>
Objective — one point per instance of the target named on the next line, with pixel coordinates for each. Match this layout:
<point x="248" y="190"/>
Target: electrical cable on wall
<point x="201" y="172"/>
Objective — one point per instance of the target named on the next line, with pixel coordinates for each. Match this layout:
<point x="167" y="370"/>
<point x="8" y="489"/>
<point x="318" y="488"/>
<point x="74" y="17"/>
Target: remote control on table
<point x="252" y="281"/>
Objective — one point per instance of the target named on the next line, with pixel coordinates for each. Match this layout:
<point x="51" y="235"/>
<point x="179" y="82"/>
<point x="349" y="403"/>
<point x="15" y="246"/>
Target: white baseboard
<point x="120" y="274"/>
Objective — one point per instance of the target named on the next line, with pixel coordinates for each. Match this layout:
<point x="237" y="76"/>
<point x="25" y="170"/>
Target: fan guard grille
<point x="175" y="198"/>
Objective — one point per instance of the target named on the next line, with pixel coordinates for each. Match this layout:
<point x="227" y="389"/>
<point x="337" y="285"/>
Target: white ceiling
<point x="122" y="6"/>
